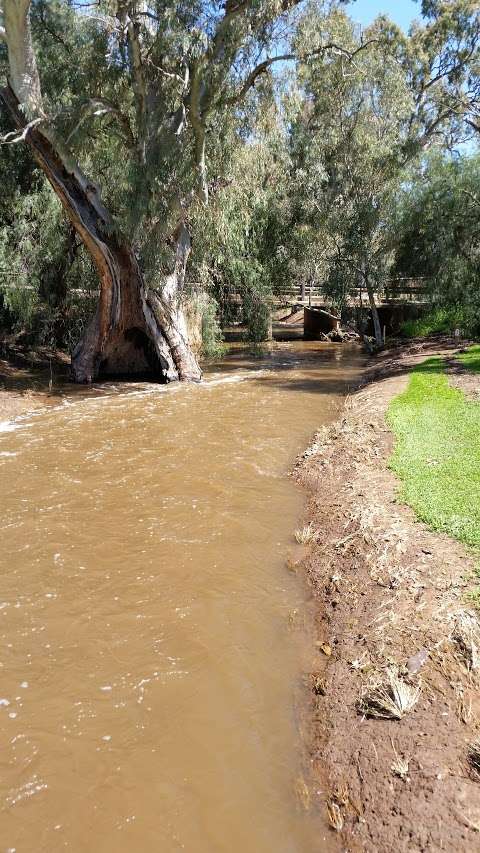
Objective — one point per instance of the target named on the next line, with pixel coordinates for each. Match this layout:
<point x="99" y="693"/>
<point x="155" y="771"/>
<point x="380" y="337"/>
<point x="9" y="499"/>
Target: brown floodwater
<point x="151" y="637"/>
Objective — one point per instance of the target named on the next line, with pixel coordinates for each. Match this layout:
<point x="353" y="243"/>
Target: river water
<point x="151" y="636"/>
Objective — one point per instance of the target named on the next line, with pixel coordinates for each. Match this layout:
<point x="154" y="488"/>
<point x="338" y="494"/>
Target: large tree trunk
<point x="134" y="331"/>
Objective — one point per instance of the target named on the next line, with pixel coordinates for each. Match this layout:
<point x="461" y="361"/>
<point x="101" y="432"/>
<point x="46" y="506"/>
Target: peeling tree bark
<point x="134" y="328"/>
<point x="134" y="331"/>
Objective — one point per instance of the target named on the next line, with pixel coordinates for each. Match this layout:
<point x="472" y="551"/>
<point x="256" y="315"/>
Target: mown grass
<point x="471" y="358"/>
<point x="437" y="450"/>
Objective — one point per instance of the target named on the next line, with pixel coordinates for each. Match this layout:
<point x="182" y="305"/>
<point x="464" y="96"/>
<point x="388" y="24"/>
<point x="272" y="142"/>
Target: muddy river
<point x="151" y="637"/>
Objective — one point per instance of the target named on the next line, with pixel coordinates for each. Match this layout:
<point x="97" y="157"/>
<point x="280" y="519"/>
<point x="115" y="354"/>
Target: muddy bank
<point x="29" y="378"/>
<point x="391" y="597"/>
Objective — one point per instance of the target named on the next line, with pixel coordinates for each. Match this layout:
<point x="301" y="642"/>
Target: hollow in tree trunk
<point x="134" y="330"/>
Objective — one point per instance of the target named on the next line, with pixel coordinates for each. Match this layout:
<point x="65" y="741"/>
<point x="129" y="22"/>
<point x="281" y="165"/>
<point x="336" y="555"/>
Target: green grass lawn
<point x="437" y="450"/>
<point x="471" y="358"/>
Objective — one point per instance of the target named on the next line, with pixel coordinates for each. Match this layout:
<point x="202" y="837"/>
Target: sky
<point x="400" y="11"/>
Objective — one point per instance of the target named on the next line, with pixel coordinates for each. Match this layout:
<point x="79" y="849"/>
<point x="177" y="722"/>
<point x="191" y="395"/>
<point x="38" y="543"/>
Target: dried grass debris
<point x="399" y="765"/>
<point x="390" y="699"/>
<point x="466" y="635"/>
<point x="473" y="755"/>
<point x="307" y="534"/>
<point x="336" y="805"/>
<point x="335" y="817"/>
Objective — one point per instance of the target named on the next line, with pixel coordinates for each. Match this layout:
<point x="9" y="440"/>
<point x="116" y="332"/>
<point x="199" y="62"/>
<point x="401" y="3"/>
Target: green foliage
<point x="348" y="142"/>
<point x="436" y="223"/>
<point x="47" y="282"/>
<point x="239" y="239"/>
<point x="357" y="126"/>
<point x="212" y="337"/>
<point x="257" y="312"/>
<point x="437" y="452"/>
<point x="440" y="321"/>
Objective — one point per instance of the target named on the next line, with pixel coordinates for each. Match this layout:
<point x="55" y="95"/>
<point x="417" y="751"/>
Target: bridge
<point x="408" y="290"/>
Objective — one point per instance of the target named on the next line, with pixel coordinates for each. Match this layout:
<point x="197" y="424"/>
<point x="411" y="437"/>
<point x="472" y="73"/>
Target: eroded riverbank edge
<point x="30" y="379"/>
<point x="387" y="592"/>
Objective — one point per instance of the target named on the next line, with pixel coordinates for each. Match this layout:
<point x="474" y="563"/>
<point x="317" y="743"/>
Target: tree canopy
<point x="218" y="148"/>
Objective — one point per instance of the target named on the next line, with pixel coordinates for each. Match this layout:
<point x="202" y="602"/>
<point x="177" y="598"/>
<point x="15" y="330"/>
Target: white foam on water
<point x="237" y="377"/>
<point x="118" y="392"/>
<point x="20" y="421"/>
<point x="8" y="426"/>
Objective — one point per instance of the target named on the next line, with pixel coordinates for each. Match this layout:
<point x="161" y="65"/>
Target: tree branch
<point x="128" y="20"/>
<point x="432" y="128"/>
<point x="262" y="67"/>
<point x="21" y="56"/>
<point x="13" y="137"/>
<point x="58" y="38"/>
<point x="473" y="125"/>
<point x="102" y="106"/>
<point x="472" y="197"/>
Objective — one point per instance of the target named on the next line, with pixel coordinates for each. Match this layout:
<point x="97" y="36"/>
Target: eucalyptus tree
<point x="348" y="137"/>
<point x="436" y="230"/>
<point x="239" y="239"/>
<point x="441" y="57"/>
<point x="366" y="111"/>
<point x="159" y="78"/>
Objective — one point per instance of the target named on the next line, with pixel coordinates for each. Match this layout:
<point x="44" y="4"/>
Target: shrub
<point x="257" y="312"/>
<point x="212" y="337"/>
<point x="442" y="320"/>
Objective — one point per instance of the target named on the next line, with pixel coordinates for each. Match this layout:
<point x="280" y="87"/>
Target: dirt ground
<point x="391" y="601"/>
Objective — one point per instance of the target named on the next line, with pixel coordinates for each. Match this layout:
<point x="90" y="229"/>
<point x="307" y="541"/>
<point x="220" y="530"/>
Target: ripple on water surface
<point x="150" y="634"/>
